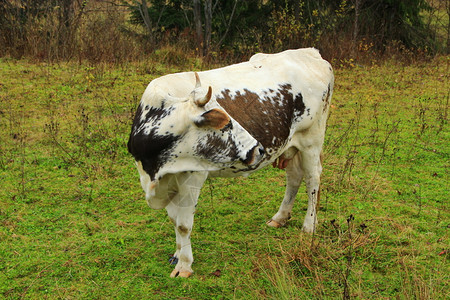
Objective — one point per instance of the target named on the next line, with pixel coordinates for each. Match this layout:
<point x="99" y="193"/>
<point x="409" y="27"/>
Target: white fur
<point x="177" y="189"/>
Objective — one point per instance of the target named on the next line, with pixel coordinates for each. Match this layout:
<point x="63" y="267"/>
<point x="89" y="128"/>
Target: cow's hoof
<point x="184" y="274"/>
<point x="273" y="223"/>
<point x="173" y="260"/>
<point x="308" y="229"/>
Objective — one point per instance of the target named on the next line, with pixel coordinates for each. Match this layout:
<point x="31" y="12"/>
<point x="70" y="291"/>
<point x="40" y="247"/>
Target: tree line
<point x="125" y="29"/>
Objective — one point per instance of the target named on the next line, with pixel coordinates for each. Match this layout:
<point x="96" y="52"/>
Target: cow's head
<point x="172" y="135"/>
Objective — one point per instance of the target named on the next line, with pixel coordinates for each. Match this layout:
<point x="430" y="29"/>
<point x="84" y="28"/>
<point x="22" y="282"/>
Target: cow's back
<point x="304" y="67"/>
<point x="272" y="96"/>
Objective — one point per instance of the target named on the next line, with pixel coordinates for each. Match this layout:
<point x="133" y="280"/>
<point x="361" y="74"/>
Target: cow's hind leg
<point x="312" y="167"/>
<point x="294" y="176"/>
<point x="181" y="211"/>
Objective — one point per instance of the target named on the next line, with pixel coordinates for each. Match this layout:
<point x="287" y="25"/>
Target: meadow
<point x="74" y="223"/>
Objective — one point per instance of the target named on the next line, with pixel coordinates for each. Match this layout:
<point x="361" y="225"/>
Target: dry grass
<point x="74" y="224"/>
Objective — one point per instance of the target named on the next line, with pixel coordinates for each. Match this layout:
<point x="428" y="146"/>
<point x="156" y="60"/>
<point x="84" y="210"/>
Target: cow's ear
<point x="215" y="118"/>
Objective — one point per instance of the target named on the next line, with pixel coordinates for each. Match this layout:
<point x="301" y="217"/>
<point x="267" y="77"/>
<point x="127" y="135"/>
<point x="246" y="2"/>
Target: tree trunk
<point x="297" y="12"/>
<point x="64" y="33"/>
<point x="448" y="28"/>
<point x="229" y="24"/>
<point x="198" y="25"/>
<point x="143" y="10"/>
<point x="208" y="26"/>
<point x="356" y="26"/>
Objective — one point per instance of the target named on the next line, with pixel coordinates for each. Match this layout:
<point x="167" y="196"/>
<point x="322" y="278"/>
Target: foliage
<point x="235" y="24"/>
<point x="54" y="23"/>
<point x="401" y="21"/>
<point x="294" y="24"/>
<point x="74" y="222"/>
<point x="166" y="15"/>
<point x="123" y="30"/>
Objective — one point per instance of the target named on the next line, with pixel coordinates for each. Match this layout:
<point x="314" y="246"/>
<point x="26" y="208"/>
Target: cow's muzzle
<point x="255" y="155"/>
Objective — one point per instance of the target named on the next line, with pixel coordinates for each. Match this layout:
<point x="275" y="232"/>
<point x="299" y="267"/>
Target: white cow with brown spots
<point x="269" y="110"/>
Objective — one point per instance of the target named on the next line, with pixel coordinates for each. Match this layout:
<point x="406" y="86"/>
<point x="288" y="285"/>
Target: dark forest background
<point x="119" y="31"/>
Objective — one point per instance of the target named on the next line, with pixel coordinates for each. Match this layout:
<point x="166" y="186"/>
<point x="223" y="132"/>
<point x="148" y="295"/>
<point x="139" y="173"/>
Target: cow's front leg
<point x="181" y="211"/>
<point x="183" y="219"/>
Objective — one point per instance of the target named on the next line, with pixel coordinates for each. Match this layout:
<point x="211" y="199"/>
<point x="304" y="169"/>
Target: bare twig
<point x="229" y="24"/>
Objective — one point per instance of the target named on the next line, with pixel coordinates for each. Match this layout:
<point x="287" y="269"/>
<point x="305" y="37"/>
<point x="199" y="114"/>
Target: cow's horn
<point x="202" y="101"/>
<point x="197" y="81"/>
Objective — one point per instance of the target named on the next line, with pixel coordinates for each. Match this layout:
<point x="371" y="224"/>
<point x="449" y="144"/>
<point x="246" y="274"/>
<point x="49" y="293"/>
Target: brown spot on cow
<point x="183" y="230"/>
<point x="213" y="147"/>
<point x="326" y="98"/>
<point x="256" y="113"/>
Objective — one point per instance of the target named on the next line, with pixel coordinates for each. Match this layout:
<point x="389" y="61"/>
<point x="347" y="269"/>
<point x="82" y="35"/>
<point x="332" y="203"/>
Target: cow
<point x="271" y="109"/>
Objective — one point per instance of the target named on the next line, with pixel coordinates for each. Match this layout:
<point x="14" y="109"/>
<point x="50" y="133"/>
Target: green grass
<point x="74" y="222"/>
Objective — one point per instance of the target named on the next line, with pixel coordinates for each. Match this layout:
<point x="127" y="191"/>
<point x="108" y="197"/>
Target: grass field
<point x="74" y="223"/>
